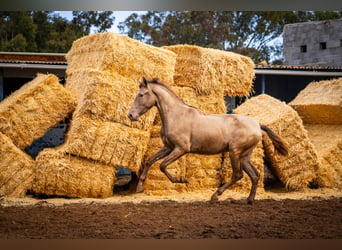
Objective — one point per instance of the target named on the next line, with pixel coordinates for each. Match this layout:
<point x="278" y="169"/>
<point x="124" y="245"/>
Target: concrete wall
<point x="313" y="35"/>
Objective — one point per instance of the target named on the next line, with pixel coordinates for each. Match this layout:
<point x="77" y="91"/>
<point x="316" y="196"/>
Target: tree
<point x="249" y="33"/>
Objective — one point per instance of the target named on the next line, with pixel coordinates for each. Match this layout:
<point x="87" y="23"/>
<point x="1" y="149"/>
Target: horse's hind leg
<point x="237" y="175"/>
<point x="253" y="174"/>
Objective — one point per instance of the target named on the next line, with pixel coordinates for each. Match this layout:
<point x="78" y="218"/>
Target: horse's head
<point x="144" y="100"/>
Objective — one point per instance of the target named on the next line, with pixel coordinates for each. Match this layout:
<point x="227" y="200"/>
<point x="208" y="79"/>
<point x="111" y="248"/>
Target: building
<point x="313" y="43"/>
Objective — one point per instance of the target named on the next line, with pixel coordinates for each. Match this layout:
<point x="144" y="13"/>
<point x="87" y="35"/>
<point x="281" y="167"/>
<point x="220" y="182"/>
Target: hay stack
<point x="122" y="55"/>
<point x="210" y="71"/>
<point x="327" y="140"/>
<point x="299" y="168"/>
<point x="65" y="175"/>
<point x="107" y="142"/>
<point x="320" y="102"/>
<point x="37" y="106"/>
<point x="107" y="96"/>
<point x="16" y="169"/>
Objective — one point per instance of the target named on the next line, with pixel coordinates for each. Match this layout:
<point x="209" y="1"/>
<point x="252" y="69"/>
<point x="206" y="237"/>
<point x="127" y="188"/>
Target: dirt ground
<point x="313" y="215"/>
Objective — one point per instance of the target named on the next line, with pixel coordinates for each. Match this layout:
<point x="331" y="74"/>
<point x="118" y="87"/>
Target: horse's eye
<point x="141" y="95"/>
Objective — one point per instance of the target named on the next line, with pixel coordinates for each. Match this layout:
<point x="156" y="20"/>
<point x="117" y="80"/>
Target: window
<point x="303" y="48"/>
<point x="323" y="45"/>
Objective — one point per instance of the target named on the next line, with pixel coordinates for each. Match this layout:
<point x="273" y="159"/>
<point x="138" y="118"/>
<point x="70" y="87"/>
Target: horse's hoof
<point x="214" y="198"/>
<point x="250" y="202"/>
<point x="183" y="180"/>
<point x="139" y="189"/>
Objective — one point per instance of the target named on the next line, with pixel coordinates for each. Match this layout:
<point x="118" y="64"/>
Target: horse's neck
<point x="168" y="105"/>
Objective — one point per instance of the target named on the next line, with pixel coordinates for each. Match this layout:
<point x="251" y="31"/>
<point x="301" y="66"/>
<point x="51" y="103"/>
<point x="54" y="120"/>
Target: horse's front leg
<point x="157" y="156"/>
<point x="173" y="156"/>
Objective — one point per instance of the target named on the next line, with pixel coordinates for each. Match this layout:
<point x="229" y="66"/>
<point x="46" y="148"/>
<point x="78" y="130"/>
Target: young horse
<point x="186" y="129"/>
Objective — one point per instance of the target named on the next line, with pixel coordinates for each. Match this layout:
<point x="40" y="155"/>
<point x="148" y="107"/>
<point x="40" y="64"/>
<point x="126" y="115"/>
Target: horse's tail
<point x="279" y="144"/>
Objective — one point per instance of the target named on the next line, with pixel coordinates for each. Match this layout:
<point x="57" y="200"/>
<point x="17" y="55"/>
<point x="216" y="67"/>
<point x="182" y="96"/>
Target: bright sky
<point x="119" y="17"/>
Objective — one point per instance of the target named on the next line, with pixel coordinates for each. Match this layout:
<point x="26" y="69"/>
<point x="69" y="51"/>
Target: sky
<point x="119" y="17"/>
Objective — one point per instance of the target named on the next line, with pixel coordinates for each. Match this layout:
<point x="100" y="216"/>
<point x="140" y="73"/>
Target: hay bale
<point x="66" y="175"/>
<point x="107" y="96"/>
<point x="121" y="55"/>
<point x="210" y="71"/>
<point x="107" y="142"/>
<point x="16" y="169"/>
<point x="37" y="106"/>
<point x="299" y="168"/>
<point x="327" y="140"/>
<point x="320" y="102"/>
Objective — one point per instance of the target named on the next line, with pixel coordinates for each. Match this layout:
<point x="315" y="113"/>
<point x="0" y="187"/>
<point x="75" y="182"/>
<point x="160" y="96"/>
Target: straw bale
<point x="107" y="142"/>
<point x="64" y="175"/>
<point x="257" y="159"/>
<point x="327" y="140"/>
<point x="37" y="106"/>
<point x="120" y="54"/>
<point x="16" y="169"/>
<point x="320" y="102"/>
<point x="210" y="71"/>
<point x="298" y="169"/>
<point x="107" y="96"/>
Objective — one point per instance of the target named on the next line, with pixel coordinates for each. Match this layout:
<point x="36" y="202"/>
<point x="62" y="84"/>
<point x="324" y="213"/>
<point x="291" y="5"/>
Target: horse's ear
<point x="143" y="83"/>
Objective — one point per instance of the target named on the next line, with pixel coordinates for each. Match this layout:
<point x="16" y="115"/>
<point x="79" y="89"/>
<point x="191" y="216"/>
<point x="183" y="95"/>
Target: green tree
<point x="250" y="32"/>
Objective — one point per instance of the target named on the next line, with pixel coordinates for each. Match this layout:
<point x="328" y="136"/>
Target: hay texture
<point x="16" y="169"/>
<point x="37" y="106"/>
<point x="107" y="142"/>
<point x="107" y="96"/>
<point x="327" y="140"/>
<point x="121" y="55"/>
<point x="64" y="175"/>
<point x="320" y="102"/>
<point x="299" y="168"/>
<point x="210" y="71"/>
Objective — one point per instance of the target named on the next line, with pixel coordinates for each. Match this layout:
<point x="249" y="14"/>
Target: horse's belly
<point x="209" y="145"/>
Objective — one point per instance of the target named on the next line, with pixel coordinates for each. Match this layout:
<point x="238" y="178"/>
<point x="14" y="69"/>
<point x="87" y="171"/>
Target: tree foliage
<point x="249" y="33"/>
<point x="44" y="31"/>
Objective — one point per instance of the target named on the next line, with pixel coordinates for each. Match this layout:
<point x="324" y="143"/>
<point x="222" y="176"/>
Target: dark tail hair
<point x="279" y="144"/>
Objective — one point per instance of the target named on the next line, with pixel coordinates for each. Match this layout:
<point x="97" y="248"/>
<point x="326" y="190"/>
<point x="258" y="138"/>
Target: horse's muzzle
<point x="132" y="117"/>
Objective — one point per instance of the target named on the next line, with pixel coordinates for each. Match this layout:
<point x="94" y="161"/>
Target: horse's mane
<point x="158" y="82"/>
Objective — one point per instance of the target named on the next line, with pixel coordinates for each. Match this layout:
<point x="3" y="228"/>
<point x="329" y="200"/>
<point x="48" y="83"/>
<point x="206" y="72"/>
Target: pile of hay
<point x="320" y="102"/>
<point x="37" y="106"/>
<point x="64" y="175"/>
<point x="298" y="169"/>
<point x="103" y="71"/>
<point x="16" y="169"/>
<point x="121" y="55"/>
<point x="212" y="71"/>
<point x="327" y="140"/>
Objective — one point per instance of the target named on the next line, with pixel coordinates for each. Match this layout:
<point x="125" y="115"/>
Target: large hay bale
<point x="37" y="106"/>
<point x="320" y="102"/>
<point x="107" y="96"/>
<point x="64" y="175"/>
<point x="298" y="169"/>
<point x="327" y="140"/>
<point x="210" y="71"/>
<point x="107" y="142"/>
<point x="121" y="55"/>
<point x="16" y="169"/>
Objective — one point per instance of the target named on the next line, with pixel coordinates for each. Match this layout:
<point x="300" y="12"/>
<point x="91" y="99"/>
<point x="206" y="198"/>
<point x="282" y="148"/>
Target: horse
<point x="186" y="129"/>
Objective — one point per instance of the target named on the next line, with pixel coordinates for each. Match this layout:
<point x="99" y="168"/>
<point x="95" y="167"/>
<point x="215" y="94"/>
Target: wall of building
<point x="313" y="43"/>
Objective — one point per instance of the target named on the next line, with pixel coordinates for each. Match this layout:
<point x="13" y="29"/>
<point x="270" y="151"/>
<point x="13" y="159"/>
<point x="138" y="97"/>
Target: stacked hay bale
<point x="16" y="169"/>
<point x="298" y="169"/>
<point x="26" y="115"/>
<point x="103" y="72"/>
<point x="202" y="77"/>
<point x="320" y="106"/>
<point x="37" y="106"/>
